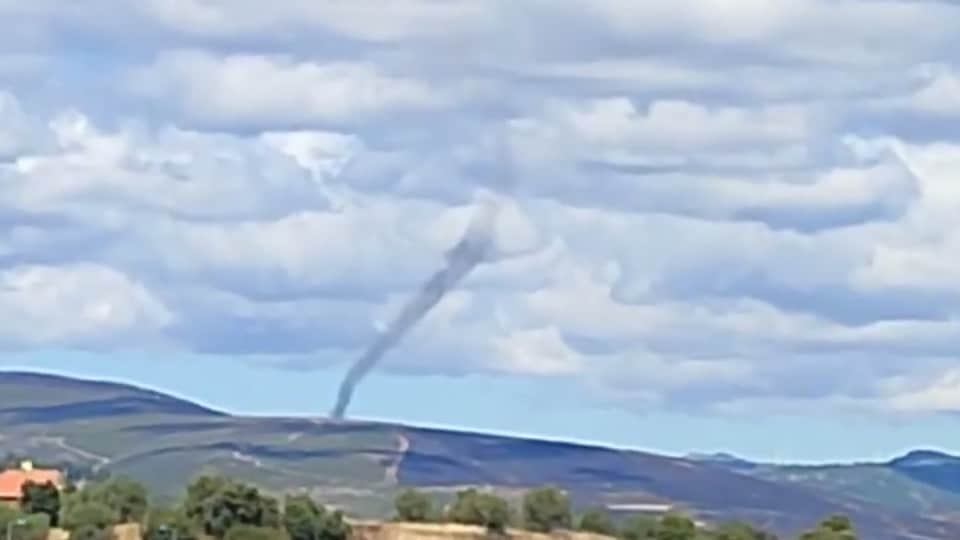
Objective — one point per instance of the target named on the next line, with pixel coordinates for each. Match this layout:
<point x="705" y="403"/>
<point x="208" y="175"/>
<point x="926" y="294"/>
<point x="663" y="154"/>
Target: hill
<point x="164" y="441"/>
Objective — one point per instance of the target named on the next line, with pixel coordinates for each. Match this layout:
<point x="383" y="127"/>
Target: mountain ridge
<point x="718" y="456"/>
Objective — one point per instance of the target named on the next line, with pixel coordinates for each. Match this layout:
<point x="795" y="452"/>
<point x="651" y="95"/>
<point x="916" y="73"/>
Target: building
<point x="12" y="481"/>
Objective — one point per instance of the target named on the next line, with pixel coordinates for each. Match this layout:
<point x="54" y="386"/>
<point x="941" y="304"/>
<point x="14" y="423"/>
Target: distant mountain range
<point x="164" y="442"/>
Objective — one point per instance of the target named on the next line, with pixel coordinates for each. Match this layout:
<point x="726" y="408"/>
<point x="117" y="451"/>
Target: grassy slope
<point x="164" y="442"/>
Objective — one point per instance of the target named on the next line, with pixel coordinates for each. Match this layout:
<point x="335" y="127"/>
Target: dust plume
<point x="473" y="247"/>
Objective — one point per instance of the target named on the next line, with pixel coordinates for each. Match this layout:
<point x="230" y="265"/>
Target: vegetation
<point x="89" y="514"/>
<point x="41" y="499"/>
<point x="741" y="531"/>
<point x="126" y="497"/>
<point x="304" y="519"/>
<point x="254" y="532"/>
<point x="546" y="509"/>
<point x="472" y="507"/>
<point x="597" y="521"/>
<point x="24" y="526"/>
<point x="639" y="528"/>
<point x="224" y="509"/>
<point x="414" y="507"/>
<point x="168" y="523"/>
<point x="835" y="527"/>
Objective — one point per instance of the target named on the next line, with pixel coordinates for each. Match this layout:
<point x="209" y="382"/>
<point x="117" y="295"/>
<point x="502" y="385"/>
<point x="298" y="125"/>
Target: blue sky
<point x="722" y="226"/>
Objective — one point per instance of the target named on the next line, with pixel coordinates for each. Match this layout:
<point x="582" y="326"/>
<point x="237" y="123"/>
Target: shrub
<point x="93" y="514"/>
<point x="413" y="506"/>
<point x="474" y="508"/>
<point x="546" y="509"/>
<point x="253" y="532"/>
<point x="597" y="521"/>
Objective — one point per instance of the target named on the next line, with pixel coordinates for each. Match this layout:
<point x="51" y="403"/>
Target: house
<point x="12" y="481"/>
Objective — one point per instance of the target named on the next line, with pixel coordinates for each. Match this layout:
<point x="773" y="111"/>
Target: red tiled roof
<point x="12" y="481"/>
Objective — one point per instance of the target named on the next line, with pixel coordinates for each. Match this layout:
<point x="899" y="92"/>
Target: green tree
<point x="35" y="527"/>
<point x="41" y="499"/>
<point x="826" y="534"/>
<point x="165" y="523"/>
<point x="304" y="519"/>
<point x="216" y="505"/>
<point x="838" y="523"/>
<point x="86" y="513"/>
<point x="472" y="507"/>
<point x="675" y="526"/>
<point x="834" y="527"/>
<point x="413" y="506"/>
<point x="597" y="521"/>
<point x="8" y="515"/>
<point x="546" y="509"/>
<point x="254" y="532"/>
<point x="300" y="517"/>
<point x="333" y="526"/>
<point x="639" y="528"/>
<point x="24" y="526"/>
<point x="199" y="493"/>
<point x="127" y="497"/>
<point x="740" y="531"/>
<point x="89" y="532"/>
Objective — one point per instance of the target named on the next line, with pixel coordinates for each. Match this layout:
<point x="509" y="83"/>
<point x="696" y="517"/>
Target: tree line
<point x="219" y="508"/>
<point x="548" y="509"/>
<point x="212" y="507"/>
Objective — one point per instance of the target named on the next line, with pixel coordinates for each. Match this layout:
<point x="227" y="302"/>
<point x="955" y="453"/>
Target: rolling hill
<point x="165" y="441"/>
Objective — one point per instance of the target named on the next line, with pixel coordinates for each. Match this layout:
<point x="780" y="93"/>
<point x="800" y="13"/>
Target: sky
<point x="724" y="226"/>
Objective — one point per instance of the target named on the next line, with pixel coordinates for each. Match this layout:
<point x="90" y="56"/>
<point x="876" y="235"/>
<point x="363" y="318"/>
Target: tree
<point x="835" y="527"/>
<point x="639" y="528"/>
<point x="300" y="517"/>
<point x="826" y="534"/>
<point x="41" y="499"/>
<point x="199" y="492"/>
<point x="675" y="526"/>
<point x="740" y="531"/>
<point x="127" y="497"/>
<point x="85" y="513"/>
<point x="333" y="526"/>
<point x="253" y="532"/>
<point x="837" y="523"/>
<point x="8" y="515"/>
<point x="166" y="522"/>
<point x="546" y="509"/>
<point x="216" y="505"/>
<point x="35" y="527"/>
<point x="89" y="532"/>
<point x="413" y="506"/>
<point x="471" y="507"/>
<point x="304" y="519"/>
<point x="24" y="526"/>
<point x="597" y="521"/>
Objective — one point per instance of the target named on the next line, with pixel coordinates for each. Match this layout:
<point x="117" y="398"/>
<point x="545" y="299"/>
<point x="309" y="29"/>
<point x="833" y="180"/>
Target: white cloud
<point x="817" y="30"/>
<point x="756" y="202"/>
<point x="665" y="126"/>
<point x="942" y="393"/>
<point x="941" y="95"/>
<point x="538" y="351"/>
<point x="15" y="130"/>
<point x="272" y="90"/>
<point x="80" y="304"/>
<point x="405" y="19"/>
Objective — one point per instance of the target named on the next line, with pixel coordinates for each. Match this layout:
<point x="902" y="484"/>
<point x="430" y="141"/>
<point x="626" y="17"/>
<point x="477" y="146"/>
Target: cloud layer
<point x="711" y="207"/>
